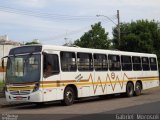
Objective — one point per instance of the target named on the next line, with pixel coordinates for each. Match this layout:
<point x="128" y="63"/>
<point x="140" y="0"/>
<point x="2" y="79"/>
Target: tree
<point x="95" y="38"/>
<point x="35" y="41"/>
<point x="139" y="36"/>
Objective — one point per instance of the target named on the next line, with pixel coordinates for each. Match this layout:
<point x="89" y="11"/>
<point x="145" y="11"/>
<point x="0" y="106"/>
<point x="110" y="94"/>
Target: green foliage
<point x="139" y="36"/>
<point x="95" y="38"/>
<point x="1" y="83"/>
<point x="1" y="86"/>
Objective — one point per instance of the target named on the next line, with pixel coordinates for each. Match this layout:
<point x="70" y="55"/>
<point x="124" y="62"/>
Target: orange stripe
<point x="62" y="81"/>
<point x="144" y="77"/>
<point x="70" y="81"/>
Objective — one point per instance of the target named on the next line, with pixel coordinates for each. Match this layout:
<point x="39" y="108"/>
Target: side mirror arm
<point x="2" y="63"/>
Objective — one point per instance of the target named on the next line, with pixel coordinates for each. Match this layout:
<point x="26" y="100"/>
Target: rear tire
<point x="138" y="89"/>
<point x="69" y="96"/>
<point x="129" y="89"/>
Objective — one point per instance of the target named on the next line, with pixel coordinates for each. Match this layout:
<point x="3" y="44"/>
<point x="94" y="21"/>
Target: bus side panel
<point x="100" y="83"/>
<point x="115" y="82"/>
<point x="82" y="81"/>
<point x="85" y="84"/>
<point x="150" y="79"/>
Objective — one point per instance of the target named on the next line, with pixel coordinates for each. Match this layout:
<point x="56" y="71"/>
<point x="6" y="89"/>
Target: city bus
<point x="43" y="73"/>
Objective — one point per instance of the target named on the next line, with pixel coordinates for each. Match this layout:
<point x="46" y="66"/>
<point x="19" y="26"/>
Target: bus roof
<point x="90" y="50"/>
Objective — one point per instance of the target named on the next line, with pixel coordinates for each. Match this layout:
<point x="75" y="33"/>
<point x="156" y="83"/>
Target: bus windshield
<point x="23" y="68"/>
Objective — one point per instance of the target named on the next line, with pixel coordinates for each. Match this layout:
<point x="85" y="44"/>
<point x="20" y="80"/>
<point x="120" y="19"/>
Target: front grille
<point x="20" y="92"/>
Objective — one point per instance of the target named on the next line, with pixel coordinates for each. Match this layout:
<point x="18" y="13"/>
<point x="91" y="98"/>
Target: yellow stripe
<point x="60" y="84"/>
<point x="49" y="86"/>
<point x="91" y="83"/>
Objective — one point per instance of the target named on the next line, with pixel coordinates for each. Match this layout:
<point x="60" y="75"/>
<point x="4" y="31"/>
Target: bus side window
<point x="126" y="63"/>
<point x="68" y="61"/>
<point x="153" y="63"/>
<point x="84" y="61"/>
<point x="145" y="64"/>
<point x="100" y="62"/>
<point x="136" y="63"/>
<point x="50" y="65"/>
<point x="114" y="62"/>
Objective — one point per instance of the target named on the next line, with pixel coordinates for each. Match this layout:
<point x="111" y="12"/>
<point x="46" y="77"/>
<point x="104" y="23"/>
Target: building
<point x="5" y="46"/>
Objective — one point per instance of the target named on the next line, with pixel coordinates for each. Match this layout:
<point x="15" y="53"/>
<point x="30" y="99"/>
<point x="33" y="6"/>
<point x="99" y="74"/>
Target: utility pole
<point x="3" y="63"/>
<point x="117" y="24"/>
<point x="118" y="28"/>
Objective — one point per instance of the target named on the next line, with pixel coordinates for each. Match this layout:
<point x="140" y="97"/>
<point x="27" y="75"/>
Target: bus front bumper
<point x="32" y="97"/>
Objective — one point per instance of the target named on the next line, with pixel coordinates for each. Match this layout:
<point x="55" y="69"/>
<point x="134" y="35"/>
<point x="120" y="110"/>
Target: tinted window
<point x="153" y="64"/>
<point x="85" y="62"/>
<point x="136" y="63"/>
<point x="25" y="49"/>
<point x="145" y="63"/>
<point x="68" y="61"/>
<point x="100" y="62"/>
<point x="126" y="63"/>
<point x="114" y="62"/>
<point x="50" y="65"/>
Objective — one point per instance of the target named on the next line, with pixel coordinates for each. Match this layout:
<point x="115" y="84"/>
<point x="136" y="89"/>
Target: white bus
<point x="42" y="73"/>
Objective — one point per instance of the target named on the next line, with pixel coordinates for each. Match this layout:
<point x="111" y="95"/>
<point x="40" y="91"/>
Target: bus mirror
<point x="3" y="63"/>
<point x="44" y="53"/>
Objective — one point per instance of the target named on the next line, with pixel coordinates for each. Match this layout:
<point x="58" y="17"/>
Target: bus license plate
<point x="19" y="98"/>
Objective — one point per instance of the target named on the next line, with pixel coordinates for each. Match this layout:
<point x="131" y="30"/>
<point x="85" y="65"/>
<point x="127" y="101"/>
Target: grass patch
<point x="1" y="85"/>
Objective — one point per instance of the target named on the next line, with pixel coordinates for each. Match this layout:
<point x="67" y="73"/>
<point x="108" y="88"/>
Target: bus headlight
<point x="36" y="87"/>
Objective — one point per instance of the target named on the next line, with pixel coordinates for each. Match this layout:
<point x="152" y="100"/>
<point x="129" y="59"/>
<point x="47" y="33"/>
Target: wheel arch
<point x="74" y="87"/>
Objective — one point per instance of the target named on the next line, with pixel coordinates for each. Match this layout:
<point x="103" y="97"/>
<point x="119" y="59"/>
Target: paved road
<point x="148" y="102"/>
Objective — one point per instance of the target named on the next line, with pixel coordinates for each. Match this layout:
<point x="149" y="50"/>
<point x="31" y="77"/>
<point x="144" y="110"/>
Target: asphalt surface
<point x="89" y="108"/>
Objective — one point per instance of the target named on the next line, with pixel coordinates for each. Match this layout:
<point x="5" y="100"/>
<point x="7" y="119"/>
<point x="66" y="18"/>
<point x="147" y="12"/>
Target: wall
<point x="4" y="51"/>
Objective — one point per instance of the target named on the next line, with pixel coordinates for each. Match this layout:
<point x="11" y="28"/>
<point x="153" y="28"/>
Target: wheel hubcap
<point x="138" y="88"/>
<point x="69" y="96"/>
<point x="130" y="90"/>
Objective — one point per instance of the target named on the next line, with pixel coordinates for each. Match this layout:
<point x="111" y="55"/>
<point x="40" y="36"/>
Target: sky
<point x="59" y="21"/>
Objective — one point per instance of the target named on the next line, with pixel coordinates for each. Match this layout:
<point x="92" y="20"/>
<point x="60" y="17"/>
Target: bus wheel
<point x="69" y="96"/>
<point x="138" y="89"/>
<point x="129" y="89"/>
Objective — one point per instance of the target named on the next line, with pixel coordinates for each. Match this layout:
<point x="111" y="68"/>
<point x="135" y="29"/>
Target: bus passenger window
<point x="136" y="63"/>
<point x="153" y="63"/>
<point x="145" y="64"/>
<point x="85" y="62"/>
<point x="114" y="62"/>
<point x="68" y="61"/>
<point x="100" y="62"/>
<point x="126" y="63"/>
<point x="50" y="65"/>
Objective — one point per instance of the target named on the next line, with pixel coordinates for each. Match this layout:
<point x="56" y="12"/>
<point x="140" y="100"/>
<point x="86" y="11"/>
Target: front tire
<point x="69" y="96"/>
<point x="129" y="89"/>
